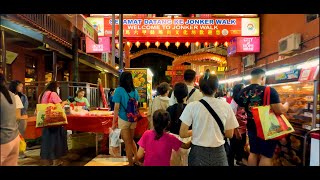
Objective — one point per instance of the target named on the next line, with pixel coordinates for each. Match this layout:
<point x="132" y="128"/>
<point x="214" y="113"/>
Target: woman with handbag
<point x="9" y="133"/>
<point x="212" y="122"/>
<point x="122" y="97"/>
<point x="54" y="139"/>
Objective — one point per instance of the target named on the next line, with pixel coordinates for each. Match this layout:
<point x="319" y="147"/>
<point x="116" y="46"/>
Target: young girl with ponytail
<point x="156" y="145"/>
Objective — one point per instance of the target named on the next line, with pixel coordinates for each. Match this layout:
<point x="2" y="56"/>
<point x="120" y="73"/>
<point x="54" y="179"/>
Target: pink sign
<point x="248" y="44"/>
<point x="103" y="46"/>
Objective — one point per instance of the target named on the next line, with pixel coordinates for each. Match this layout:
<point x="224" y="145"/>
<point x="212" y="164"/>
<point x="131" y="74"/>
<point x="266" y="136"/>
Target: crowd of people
<point x="193" y="127"/>
<point x="198" y="127"/>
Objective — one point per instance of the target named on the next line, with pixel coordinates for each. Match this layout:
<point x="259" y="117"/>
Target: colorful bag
<point x="269" y="125"/>
<point x="50" y="115"/>
<point x="23" y="144"/>
<point x="132" y="110"/>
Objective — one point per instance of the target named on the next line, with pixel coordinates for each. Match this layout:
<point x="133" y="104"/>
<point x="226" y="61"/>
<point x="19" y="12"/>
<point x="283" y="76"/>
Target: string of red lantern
<point x="177" y="44"/>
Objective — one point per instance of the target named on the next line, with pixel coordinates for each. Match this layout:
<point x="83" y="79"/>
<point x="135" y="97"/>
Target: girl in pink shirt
<point x="156" y="145"/>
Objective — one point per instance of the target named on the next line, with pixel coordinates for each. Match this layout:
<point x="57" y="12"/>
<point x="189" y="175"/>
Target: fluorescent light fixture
<point x="106" y="70"/>
<point x="117" y="67"/>
<point x="278" y="71"/>
<point x="309" y="64"/>
<point x="248" y="77"/>
<point x="236" y="79"/>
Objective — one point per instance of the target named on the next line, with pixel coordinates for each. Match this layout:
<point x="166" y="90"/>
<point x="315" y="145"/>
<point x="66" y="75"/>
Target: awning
<point x="21" y="30"/>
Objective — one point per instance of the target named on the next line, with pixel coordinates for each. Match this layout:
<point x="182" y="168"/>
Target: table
<point x="95" y="124"/>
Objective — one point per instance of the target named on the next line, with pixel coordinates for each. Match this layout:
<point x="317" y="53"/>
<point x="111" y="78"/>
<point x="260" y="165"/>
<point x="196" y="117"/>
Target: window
<point x="311" y="17"/>
<point x="31" y="69"/>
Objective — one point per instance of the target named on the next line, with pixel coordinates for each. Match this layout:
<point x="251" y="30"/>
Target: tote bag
<point x="268" y="124"/>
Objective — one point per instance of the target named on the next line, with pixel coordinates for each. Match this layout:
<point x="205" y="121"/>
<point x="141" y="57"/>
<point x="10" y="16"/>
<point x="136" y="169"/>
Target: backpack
<point x="132" y="111"/>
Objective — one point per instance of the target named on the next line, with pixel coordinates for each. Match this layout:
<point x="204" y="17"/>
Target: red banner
<point x="180" y="27"/>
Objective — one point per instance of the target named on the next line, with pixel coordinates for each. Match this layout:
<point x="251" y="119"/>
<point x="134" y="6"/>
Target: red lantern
<point x="226" y="44"/>
<point x="157" y="44"/>
<point x="167" y="44"/>
<point x="129" y="44"/>
<point x="206" y="44"/>
<point x="147" y="44"/>
<point x="177" y="44"/>
<point x="197" y="44"/>
<point x="216" y="44"/>
<point x="187" y="44"/>
<point x="137" y="44"/>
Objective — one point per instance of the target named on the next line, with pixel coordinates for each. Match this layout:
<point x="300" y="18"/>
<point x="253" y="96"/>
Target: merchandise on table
<point x="81" y="141"/>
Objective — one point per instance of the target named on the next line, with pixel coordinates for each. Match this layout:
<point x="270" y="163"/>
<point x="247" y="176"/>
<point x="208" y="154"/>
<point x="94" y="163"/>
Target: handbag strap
<point x="214" y="115"/>
<point x="190" y="94"/>
<point x="266" y="98"/>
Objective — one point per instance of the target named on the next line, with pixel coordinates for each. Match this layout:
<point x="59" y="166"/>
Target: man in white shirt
<point x="194" y="93"/>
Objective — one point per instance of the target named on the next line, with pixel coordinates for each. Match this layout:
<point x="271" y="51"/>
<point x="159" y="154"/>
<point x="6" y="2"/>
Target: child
<point x="157" y="144"/>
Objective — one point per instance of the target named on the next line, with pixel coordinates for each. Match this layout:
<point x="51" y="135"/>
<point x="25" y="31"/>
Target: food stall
<point x="302" y="86"/>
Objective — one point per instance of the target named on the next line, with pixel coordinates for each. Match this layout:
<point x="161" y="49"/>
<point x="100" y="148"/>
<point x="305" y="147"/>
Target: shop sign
<point x="291" y="75"/>
<point x="10" y="56"/>
<point x="101" y="47"/>
<point x="244" y="45"/>
<point x="87" y="29"/>
<point x="221" y="69"/>
<point x="98" y="24"/>
<point x="183" y="27"/>
<point x="309" y="73"/>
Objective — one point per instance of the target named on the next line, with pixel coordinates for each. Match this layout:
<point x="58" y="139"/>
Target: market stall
<point x="95" y="122"/>
<point x="300" y="85"/>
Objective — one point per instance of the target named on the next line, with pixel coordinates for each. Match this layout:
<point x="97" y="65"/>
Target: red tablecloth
<point x="98" y="124"/>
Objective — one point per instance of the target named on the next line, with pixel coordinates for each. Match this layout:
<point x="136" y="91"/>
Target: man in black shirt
<point x="252" y="96"/>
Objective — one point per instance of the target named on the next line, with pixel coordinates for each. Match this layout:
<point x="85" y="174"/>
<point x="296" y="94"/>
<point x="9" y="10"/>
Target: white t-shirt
<point x="205" y="130"/>
<point x="19" y="104"/>
<point x="196" y="96"/>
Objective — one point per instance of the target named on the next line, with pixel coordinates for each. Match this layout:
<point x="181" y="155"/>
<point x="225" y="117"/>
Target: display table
<point x="95" y="124"/>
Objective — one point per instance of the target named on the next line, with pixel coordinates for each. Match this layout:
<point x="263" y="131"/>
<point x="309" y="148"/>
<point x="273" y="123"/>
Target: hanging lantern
<point x="167" y="44"/>
<point x="216" y="44"/>
<point x="206" y="44"/>
<point x="157" y="44"/>
<point x="137" y="44"/>
<point x="147" y="44"/>
<point x="129" y="44"/>
<point x="177" y="44"/>
<point x="187" y="44"/>
<point x="197" y="44"/>
<point x="117" y="45"/>
<point x="226" y="44"/>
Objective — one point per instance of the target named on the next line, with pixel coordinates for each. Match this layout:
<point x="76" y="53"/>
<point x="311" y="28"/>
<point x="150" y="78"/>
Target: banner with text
<point x="179" y="27"/>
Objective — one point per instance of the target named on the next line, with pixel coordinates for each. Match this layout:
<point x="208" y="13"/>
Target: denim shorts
<point x="260" y="146"/>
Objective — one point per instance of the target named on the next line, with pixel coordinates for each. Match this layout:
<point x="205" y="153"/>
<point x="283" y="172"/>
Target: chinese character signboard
<point x="180" y="27"/>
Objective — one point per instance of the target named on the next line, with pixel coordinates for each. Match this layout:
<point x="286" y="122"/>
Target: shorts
<point x="260" y="146"/>
<point x="122" y="124"/>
